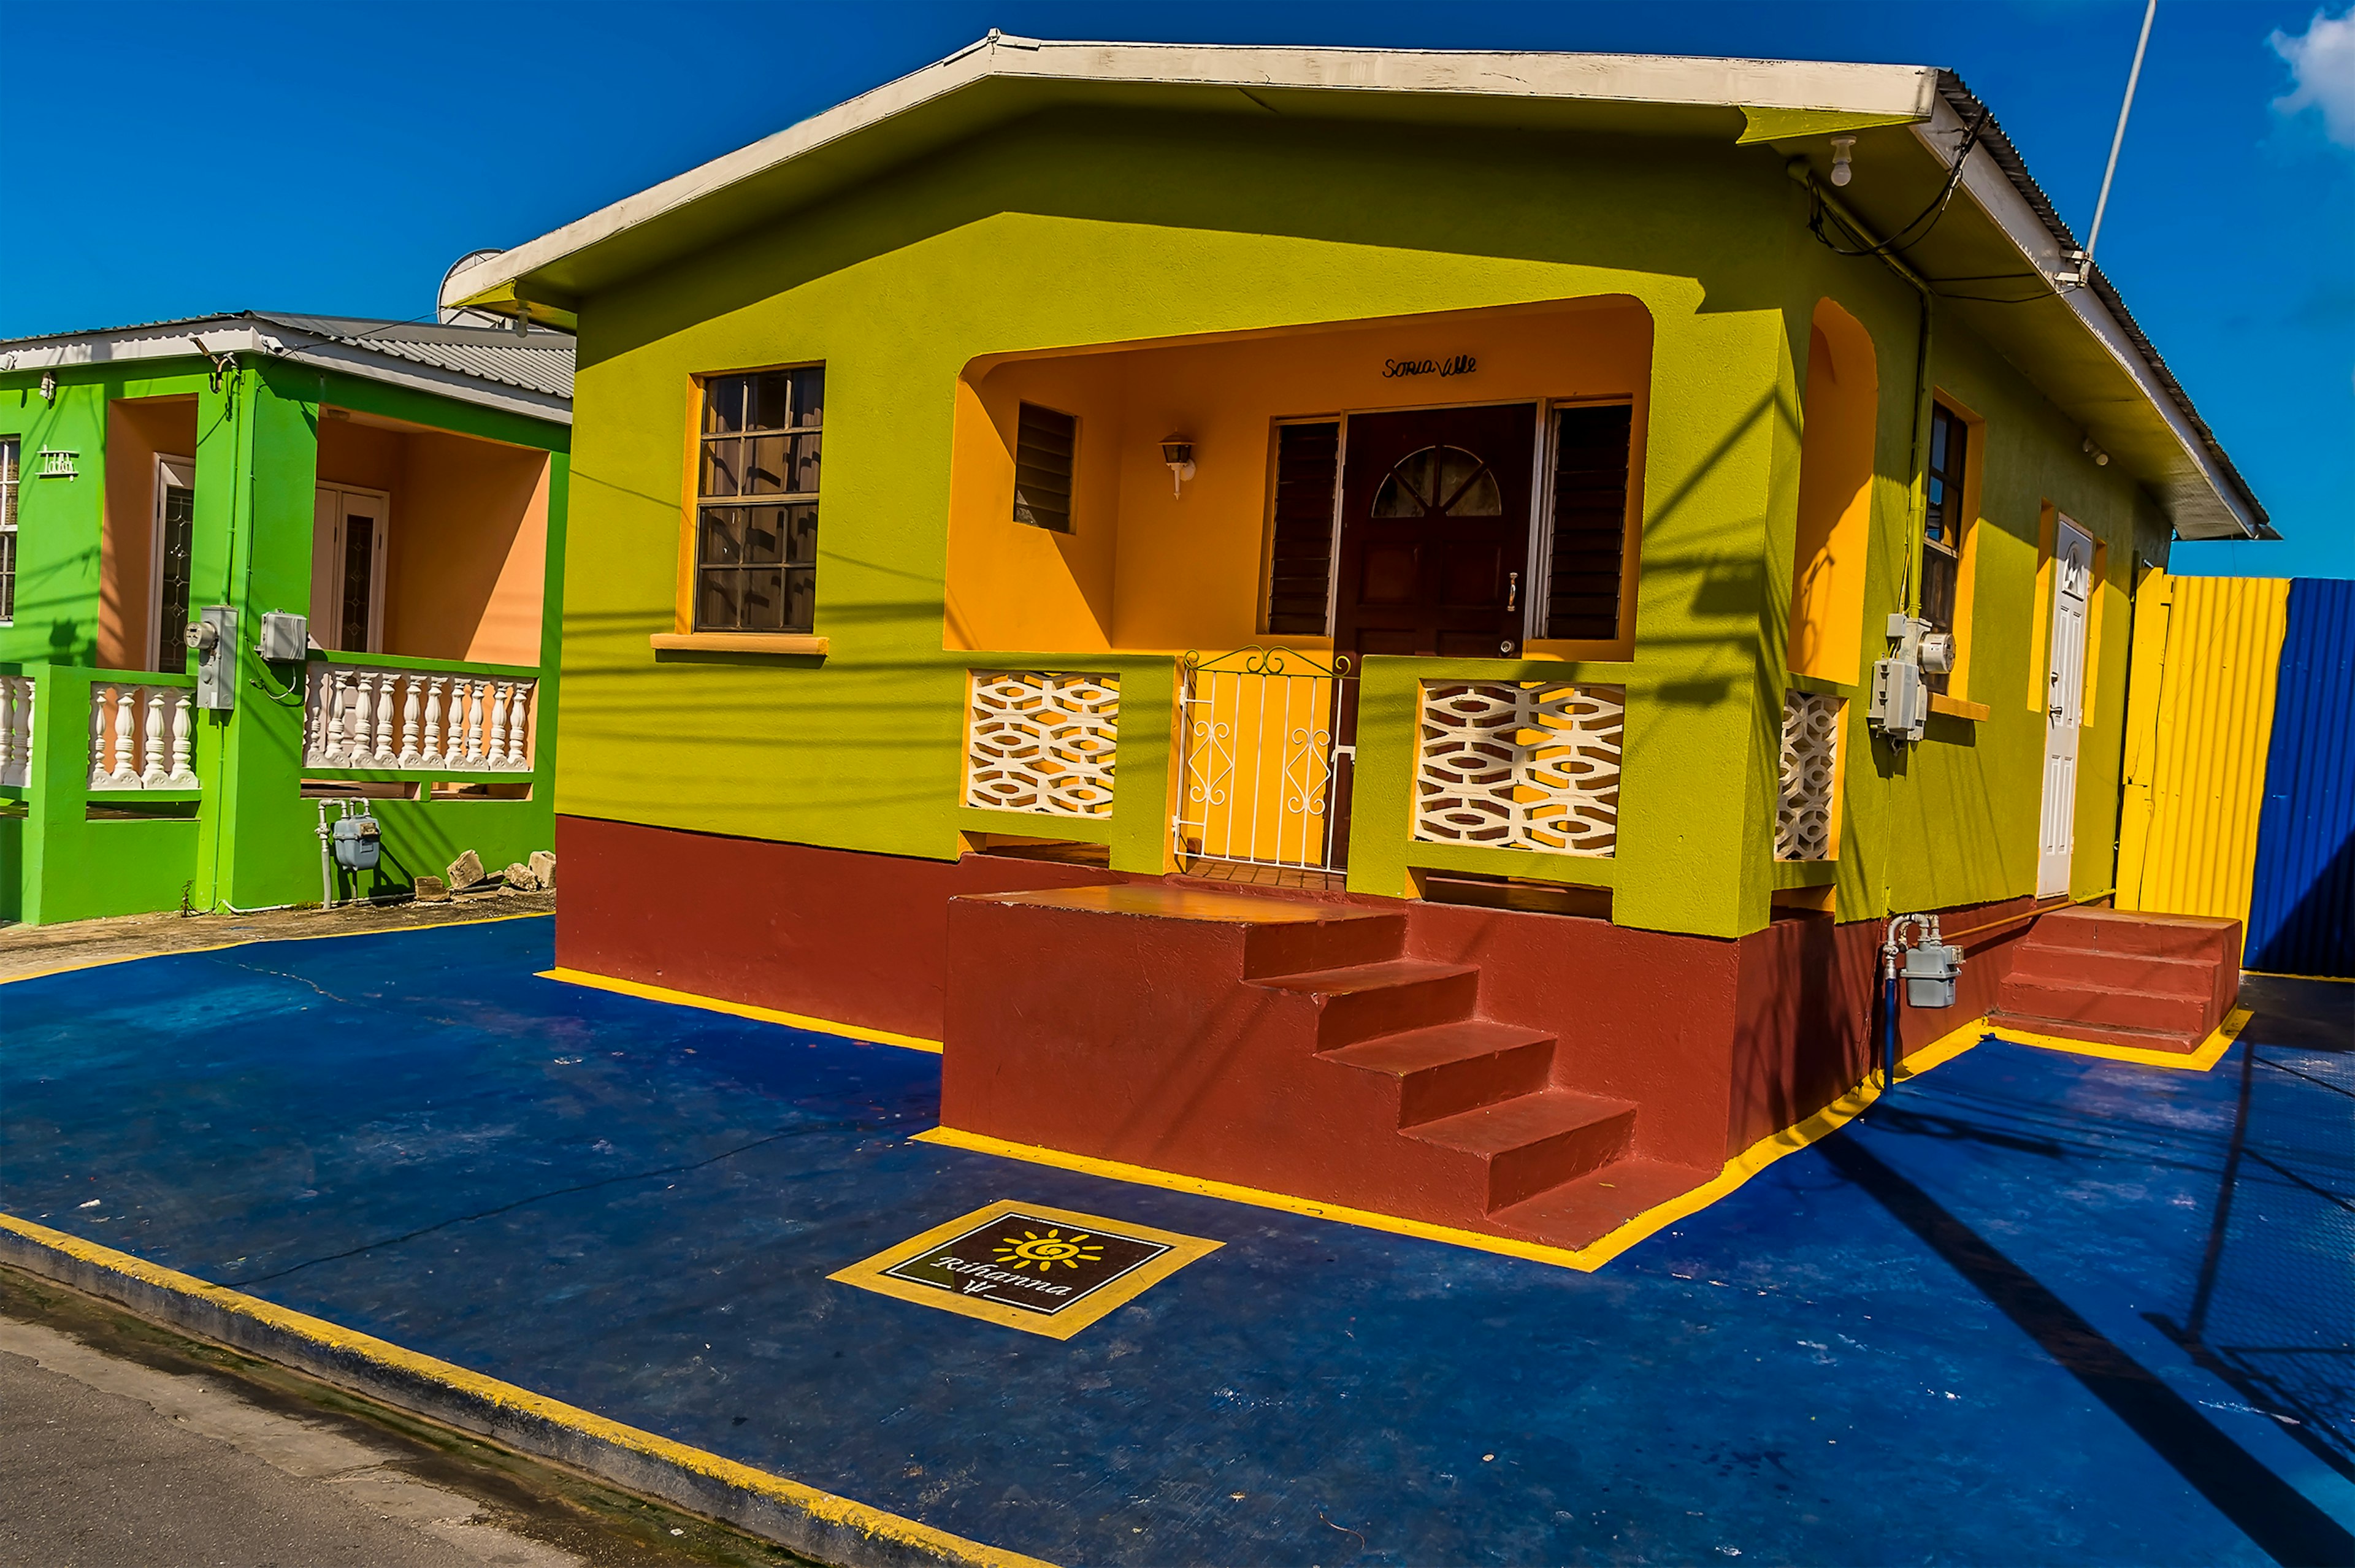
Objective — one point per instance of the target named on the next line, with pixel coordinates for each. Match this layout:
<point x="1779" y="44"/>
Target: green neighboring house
<point x="399" y="485"/>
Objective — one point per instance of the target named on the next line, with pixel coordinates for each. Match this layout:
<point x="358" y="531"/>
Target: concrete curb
<point x="815" y="1523"/>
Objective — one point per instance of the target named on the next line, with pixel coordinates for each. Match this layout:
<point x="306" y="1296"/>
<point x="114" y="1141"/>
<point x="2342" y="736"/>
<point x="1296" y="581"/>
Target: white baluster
<point x="519" y="727"/>
<point x="384" y="755"/>
<point x="100" y="704"/>
<point x="25" y="697"/>
<point x="409" y="754"/>
<point x="432" y="755"/>
<point x="473" y="724"/>
<point x="9" y="761"/>
<point x="339" y="704"/>
<point x="495" y="755"/>
<point x="183" y="723"/>
<point x="126" y="773"/>
<point x="314" y="715"/>
<point x="361" y="734"/>
<point x="153" y="737"/>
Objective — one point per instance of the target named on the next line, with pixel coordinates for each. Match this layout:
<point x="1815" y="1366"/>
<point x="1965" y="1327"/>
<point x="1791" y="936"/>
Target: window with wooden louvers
<point x="1300" y="564"/>
<point x="1045" y="448"/>
<point x="1590" y="521"/>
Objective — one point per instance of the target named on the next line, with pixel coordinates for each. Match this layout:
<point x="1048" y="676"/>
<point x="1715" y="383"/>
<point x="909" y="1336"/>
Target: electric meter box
<point x="1931" y="971"/>
<point x="213" y="637"/>
<point x="358" y="846"/>
<point x="285" y="638"/>
<point x="1900" y="702"/>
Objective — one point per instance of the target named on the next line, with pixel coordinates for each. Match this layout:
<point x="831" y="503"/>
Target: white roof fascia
<point x="1902" y="90"/>
<point x="233" y="334"/>
<point x="2039" y="247"/>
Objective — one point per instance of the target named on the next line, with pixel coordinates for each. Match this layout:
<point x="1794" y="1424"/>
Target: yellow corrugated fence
<point x="2200" y="712"/>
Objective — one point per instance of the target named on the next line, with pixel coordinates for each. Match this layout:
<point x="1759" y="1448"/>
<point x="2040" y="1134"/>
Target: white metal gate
<point x="1260" y="781"/>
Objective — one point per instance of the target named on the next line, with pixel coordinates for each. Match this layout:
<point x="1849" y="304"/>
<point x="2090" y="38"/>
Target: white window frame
<point x="156" y="656"/>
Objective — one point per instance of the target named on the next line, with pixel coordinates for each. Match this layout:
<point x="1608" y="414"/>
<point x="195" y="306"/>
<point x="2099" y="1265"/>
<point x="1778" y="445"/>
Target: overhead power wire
<point x="1914" y="231"/>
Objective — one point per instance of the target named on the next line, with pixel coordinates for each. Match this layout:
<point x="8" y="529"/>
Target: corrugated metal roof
<point x="1964" y="103"/>
<point x="2302" y="907"/>
<point x="540" y="363"/>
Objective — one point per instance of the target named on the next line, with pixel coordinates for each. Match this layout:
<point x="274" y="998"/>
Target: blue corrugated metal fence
<point x="2302" y="903"/>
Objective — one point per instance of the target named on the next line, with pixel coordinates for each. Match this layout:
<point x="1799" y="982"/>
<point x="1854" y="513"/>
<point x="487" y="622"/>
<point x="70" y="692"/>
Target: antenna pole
<point x="2086" y="267"/>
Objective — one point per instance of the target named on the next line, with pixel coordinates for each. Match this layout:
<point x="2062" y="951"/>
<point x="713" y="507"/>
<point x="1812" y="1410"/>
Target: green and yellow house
<point x="1382" y="626"/>
<point x="398" y="487"/>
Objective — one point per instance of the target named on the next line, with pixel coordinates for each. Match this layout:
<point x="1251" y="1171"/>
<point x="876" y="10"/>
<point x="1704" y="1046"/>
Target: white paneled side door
<point x="348" y="568"/>
<point x="2065" y="706"/>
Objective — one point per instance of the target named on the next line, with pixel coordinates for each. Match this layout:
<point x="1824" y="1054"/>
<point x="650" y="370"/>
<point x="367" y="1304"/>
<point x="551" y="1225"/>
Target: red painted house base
<point x="1535" y="1075"/>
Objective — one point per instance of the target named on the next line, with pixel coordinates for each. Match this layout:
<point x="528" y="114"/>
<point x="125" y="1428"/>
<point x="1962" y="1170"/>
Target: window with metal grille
<point x="1046" y="444"/>
<point x="10" y="448"/>
<point x="1300" y="558"/>
<point x="1942" y="521"/>
<point x="756" y="506"/>
<point x="1590" y="521"/>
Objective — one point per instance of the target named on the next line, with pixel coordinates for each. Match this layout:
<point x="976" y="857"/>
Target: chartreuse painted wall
<point x="1043" y="237"/>
<point x="245" y="838"/>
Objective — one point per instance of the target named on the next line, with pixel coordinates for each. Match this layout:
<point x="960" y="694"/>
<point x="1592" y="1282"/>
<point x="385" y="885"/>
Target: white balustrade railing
<point x="17" y="731"/>
<point x="139" y="735"/>
<point x="417" y="721"/>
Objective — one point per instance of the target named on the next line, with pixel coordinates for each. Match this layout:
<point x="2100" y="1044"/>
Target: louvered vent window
<point x="1300" y="566"/>
<point x="1590" y="522"/>
<point x="1045" y="448"/>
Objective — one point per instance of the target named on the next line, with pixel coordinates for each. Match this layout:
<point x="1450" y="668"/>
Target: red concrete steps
<point x="1590" y="1208"/>
<point x="2122" y="978"/>
<point x="1534" y="1142"/>
<point x="1363" y="1000"/>
<point x="1453" y="1067"/>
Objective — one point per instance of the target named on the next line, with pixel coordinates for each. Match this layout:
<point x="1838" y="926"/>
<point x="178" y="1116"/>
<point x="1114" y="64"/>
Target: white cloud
<point x="2322" y="60"/>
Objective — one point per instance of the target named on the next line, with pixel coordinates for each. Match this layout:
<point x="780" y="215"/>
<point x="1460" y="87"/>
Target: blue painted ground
<point x="2036" y="1309"/>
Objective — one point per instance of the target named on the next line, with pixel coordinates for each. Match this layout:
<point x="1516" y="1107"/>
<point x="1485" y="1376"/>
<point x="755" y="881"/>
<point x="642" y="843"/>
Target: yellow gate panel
<point x="2199" y="713"/>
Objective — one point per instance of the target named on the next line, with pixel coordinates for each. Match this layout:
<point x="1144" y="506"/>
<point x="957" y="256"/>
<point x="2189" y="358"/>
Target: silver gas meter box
<point x="285" y="638"/>
<point x="357" y="845"/>
<point x="1930" y="973"/>
<point x="213" y="637"/>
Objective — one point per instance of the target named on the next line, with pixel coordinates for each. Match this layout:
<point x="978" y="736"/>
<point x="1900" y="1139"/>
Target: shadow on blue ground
<point x="2036" y="1308"/>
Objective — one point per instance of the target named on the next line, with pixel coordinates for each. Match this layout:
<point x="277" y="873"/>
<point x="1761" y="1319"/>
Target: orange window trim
<point x="1966" y="551"/>
<point x="691" y="476"/>
<point x="2048" y="526"/>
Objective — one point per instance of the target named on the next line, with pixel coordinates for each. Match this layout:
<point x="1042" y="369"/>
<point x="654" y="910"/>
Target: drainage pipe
<point x="326" y="861"/>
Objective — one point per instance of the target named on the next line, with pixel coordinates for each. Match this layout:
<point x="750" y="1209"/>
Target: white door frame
<point x="327" y="563"/>
<point x="156" y="555"/>
<point x="2065" y="704"/>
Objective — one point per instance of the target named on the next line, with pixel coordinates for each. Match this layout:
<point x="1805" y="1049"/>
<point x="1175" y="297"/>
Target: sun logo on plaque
<point x="1049" y="1250"/>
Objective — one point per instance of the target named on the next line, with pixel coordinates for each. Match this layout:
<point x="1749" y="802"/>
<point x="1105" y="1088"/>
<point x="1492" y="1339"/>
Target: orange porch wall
<point x="136" y="429"/>
<point x="1188" y="571"/>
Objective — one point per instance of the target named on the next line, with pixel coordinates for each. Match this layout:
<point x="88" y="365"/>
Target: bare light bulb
<point x="1843" y="156"/>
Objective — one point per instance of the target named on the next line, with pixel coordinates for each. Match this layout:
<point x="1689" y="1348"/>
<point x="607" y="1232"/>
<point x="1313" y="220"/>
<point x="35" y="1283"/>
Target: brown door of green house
<point x="1435" y="545"/>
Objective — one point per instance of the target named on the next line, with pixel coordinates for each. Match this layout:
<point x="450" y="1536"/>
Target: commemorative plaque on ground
<point x="1045" y="1270"/>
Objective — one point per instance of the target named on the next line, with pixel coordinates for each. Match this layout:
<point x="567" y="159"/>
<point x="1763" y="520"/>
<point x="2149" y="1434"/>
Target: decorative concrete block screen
<point x="1530" y="764"/>
<point x="1041" y="742"/>
<point x="1803" y="821"/>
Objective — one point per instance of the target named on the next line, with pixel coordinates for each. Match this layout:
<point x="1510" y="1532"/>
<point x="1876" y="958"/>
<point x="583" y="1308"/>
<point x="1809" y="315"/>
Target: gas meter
<point x="357" y="843"/>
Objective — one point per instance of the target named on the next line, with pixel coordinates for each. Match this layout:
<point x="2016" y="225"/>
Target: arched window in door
<point x="1439" y="482"/>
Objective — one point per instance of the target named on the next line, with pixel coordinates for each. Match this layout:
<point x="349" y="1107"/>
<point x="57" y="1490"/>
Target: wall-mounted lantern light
<point x="1178" y="451"/>
<point x="2101" y="459"/>
<point x="1843" y="156"/>
<point x="49" y="386"/>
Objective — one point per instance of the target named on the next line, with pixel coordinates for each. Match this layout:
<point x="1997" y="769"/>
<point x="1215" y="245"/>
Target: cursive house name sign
<point x="1454" y="365"/>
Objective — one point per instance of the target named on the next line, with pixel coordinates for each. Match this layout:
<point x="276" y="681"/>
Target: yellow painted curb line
<point x="2323" y="979"/>
<point x="497" y="1408"/>
<point x="2210" y="1052"/>
<point x="1587" y="1259"/>
<point x="250" y="941"/>
<point x="738" y="1009"/>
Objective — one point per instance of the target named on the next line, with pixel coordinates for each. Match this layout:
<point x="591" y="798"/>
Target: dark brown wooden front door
<point x="1434" y="549"/>
<point x="1436" y="533"/>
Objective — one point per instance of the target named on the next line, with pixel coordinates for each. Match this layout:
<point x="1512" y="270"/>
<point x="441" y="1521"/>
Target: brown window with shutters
<point x="1590" y="522"/>
<point x="756" y="501"/>
<point x="1300" y="559"/>
<point x="1045" y="448"/>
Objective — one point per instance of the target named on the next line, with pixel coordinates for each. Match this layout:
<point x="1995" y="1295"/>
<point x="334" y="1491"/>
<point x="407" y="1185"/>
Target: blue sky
<point x="337" y="158"/>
